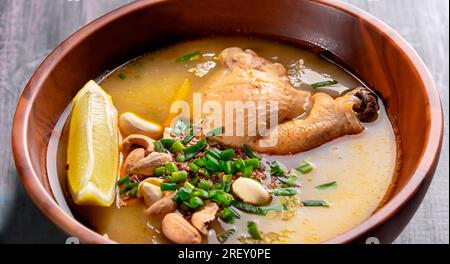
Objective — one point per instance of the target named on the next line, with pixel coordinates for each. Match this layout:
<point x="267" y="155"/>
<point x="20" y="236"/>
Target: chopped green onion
<point x="177" y="146"/>
<point x="276" y="169"/>
<point x="218" y="186"/>
<point x="316" y="203"/>
<point x="227" y="178"/>
<point x="227" y="165"/>
<point x="183" y="194"/>
<point x="248" y="171"/>
<point x="252" y="162"/>
<point x="212" y="154"/>
<point x="123" y="180"/>
<point x="191" y="134"/>
<point x="193" y="150"/>
<point x="205" y="185"/>
<point x="180" y="158"/>
<point x="216" y="150"/>
<point x="171" y="167"/>
<point x="196" y="202"/>
<point x="179" y="176"/>
<point x="228" y="215"/>
<point x="288" y="181"/>
<point x="195" y="180"/>
<point x="249" y="152"/>
<point x="122" y="76"/>
<point x="227" y="154"/>
<point x="212" y="164"/>
<point x="193" y="167"/>
<point x="215" y="132"/>
<point x="221" y="197"/>
<point x="326" y="185"/>
<point x="204" y="172"/>
<point x="160" y="171"/>
<point x="322" y="84"/>
<point x="129" y="186"/>
<point x="252" y="229"/>
<point x="159" y="147"/>
<point x="223" y="237"/>
<point x="189" y="185"/>
<point x="168" y="186"/>
<point x="200" y="162"/>
<point x="187" y="139"/>
<point x="200" y="193"/>
<point x="239" y="165"/>
<point x="169" y="178"/>
<point x="261" y="210"/>
<point x="306" y="167"/>
<point x="191" y="56"/>
<point x="283" y="191"/>
<point x="167" y="142"/>
<point x="133" y="192"/>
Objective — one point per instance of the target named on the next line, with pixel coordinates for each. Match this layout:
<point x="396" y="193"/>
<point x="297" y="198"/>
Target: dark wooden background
<point x="29" y="30"/>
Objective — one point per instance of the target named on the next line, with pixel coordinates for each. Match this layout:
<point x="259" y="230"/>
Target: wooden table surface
<point x="29" y="30"/>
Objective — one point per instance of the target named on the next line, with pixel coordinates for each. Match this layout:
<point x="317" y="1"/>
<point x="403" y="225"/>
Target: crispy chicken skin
<point x="328" y="119"/>
<point x="248" y="77"/>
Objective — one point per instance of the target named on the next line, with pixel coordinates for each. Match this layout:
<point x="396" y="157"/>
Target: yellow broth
<point x="363" y="165"/>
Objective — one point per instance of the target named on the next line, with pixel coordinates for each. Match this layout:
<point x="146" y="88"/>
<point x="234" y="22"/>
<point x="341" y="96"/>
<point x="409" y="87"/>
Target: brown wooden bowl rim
<point x="50" y="208"/>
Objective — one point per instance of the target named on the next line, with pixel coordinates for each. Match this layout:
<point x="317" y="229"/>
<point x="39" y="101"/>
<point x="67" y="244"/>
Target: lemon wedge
<point x="93" y="148"/>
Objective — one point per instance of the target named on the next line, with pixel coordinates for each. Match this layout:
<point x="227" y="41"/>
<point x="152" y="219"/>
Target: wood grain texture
<point x="30" y="29"/>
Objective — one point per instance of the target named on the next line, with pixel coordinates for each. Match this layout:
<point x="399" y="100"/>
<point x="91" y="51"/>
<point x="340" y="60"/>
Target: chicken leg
<point x="250" y="78"/>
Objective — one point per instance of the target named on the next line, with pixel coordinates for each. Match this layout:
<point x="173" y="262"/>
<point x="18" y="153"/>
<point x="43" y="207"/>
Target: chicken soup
<point x="227" y="140"/>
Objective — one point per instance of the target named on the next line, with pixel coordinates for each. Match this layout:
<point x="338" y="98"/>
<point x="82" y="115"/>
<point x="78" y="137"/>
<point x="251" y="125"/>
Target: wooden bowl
<point x="363" y="44"/>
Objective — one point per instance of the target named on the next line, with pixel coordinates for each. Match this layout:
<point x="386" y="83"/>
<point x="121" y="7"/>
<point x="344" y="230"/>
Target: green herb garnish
<point x="123" y="180"/>
<point x="260" y="210"/>
<point x="193" y="150"/>
<point x="191" y="56"/>
<point x="159" y="147"/>
<point x="310" y="203"/>
<point x="283" y="191"/>
<point x="326" y="185"/>
<point x="276" y="169"/>
<point x="228" y="215"/>
<point x="168" y="186"/>
<point x="252" y="229"/>
<point x="221" y="197"/>
<point x="222" y="237"/>
<point x="179" y="176"/>
<point x="227" y="154"/>
<point x="122" y="76"/>
<point x="322" y="84"/>
<point x="128" y="187"/>
<point x="306" y="167"/>
<point x="250" y="153"/>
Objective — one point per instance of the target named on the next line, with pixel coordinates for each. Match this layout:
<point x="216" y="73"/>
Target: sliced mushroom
<point x="130" y="123"/>
<point x="250" y="191"/>
<point x="162" y="207"/>
<point x="150" y="191"/>
<point x="203" y="217"/>
<point x="147" y="165"/>
<point x="137" y="140"/>
<point x="179" y="230"/>
<point x="134" y="156"/>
